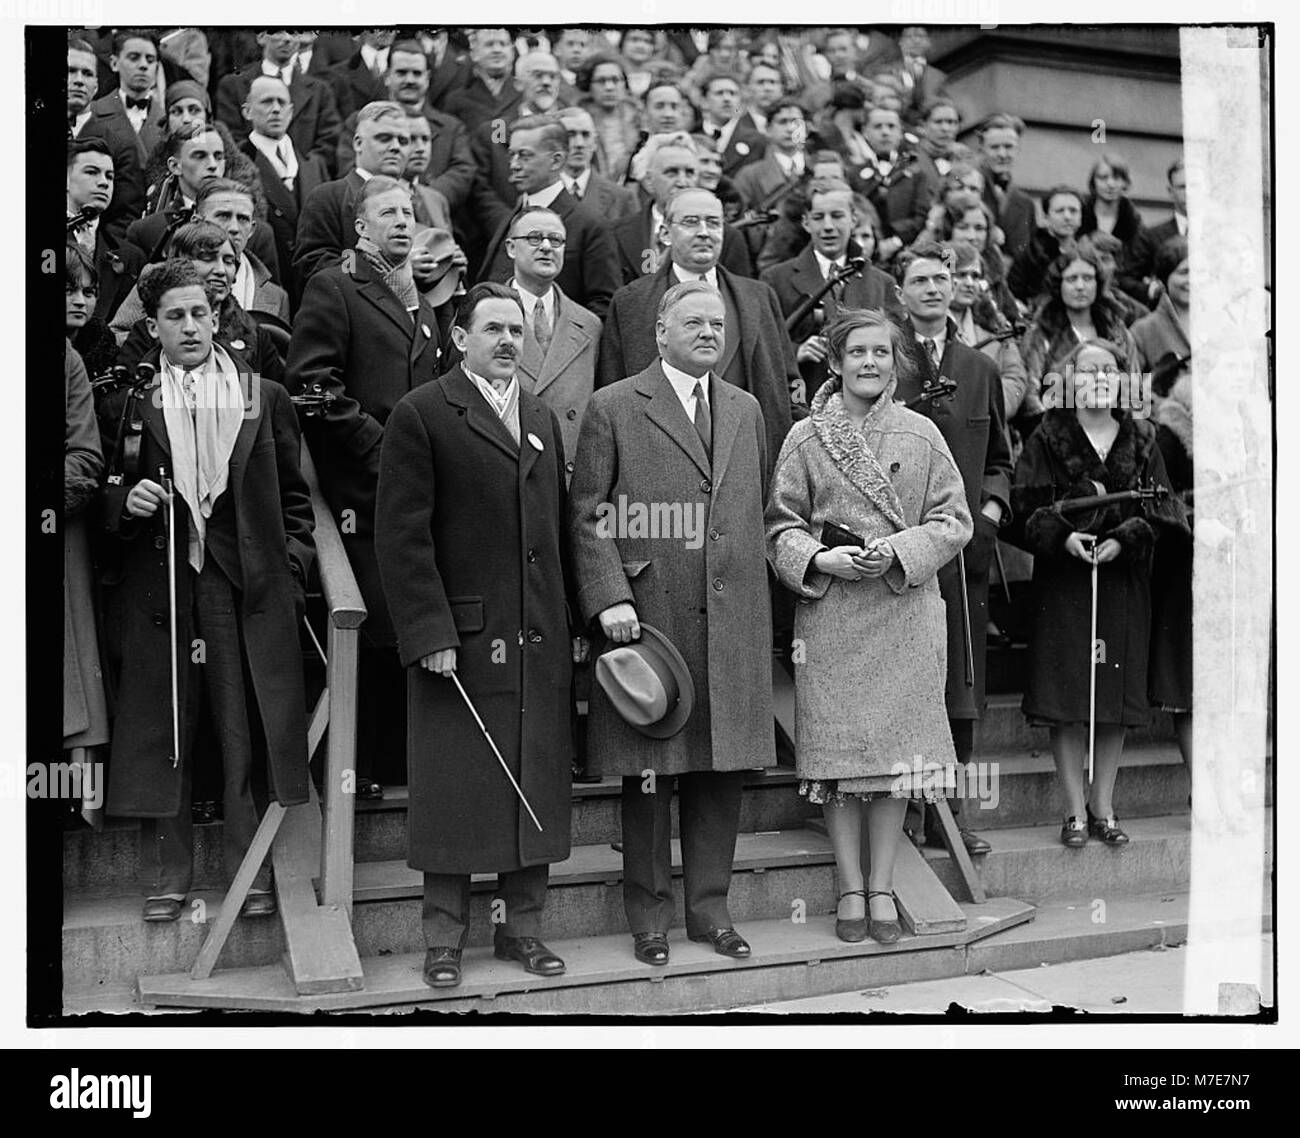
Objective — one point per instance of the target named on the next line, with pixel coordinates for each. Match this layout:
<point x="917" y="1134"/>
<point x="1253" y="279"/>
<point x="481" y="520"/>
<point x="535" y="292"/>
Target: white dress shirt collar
<point x="684" y="387"/>
<point x="826" y="265"/>
<point x="684" y="275"/>
<point x="940" y="339"/>
<point x="284" y="73"/>
<point x="530" y="300"/>
<point x="285" y="166"/>
<point x="791" y="165"/>
<point x="375" y="58"/>
<point x="543" y="199"/>
<point x="578" y="183"/>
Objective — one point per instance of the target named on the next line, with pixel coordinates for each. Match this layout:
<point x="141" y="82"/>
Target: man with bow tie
<point x="731" y="130"/>
<point x="107" y="122"/>
<point x="243" y="547"/>
<point x="971" y="415"/>
<point x="366" y="333"/>
<point x="1016" y="211"/>
<point x="894" y="183"/>
<point x="473" y="551"/>
<point x="137" y="100"/>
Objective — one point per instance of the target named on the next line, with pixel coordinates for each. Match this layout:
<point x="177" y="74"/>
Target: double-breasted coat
<point x="471" y="539"/>
<point x="707" y="591"/>
<point x="973" y="424"/>
<point x="872" y="653"/>
<point x="1059" y="462"/>
<point x="353" y="337"/>
<point x="273" y="523"/>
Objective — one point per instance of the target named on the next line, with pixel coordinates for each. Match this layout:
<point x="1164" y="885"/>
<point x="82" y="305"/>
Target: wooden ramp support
<point x="321" y="954"/>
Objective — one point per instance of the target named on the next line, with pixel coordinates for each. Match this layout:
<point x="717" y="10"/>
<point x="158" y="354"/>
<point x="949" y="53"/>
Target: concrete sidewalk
<point x="1135" y="983"/>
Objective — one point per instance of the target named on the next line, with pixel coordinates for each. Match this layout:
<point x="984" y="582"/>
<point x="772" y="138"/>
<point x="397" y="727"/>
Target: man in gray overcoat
<point x="677" y="444"/>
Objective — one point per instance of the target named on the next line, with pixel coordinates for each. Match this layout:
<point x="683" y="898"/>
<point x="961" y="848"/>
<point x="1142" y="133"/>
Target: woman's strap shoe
<point x="853" y="930"/>
<point x="442" y="967"/>
<point x="1074" y="833"/>
<point x="1107" y="829"/>
<point x="650" y="948"/>
<point x="883" y="932"/>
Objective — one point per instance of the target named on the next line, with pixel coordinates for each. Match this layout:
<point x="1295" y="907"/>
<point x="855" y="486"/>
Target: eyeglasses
<point x="536" y="238"/>
<point x="694" y="221"/>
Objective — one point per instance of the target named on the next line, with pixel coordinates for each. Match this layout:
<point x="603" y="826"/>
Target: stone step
<point x="790" y="961"/>
<point x="777" y="876"/>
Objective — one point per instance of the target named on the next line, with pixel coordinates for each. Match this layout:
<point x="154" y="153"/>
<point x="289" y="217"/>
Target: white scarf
<point x="203" y="438"/>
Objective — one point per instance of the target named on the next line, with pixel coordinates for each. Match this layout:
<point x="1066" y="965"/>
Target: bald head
<point x="268" y="107"/>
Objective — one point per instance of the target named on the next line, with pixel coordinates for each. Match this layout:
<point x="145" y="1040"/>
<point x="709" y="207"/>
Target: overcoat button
<point x="532" y="556"/>
<point x="706" y="485"/>
<point x="534" y="637"/>
<point x="569" y="467"/>
<point x="159" y="619"/>
<point x="571" y="413"/>
<point x="160" y="542"/>
<point x="714" y="535"/>
<point x="717" y="584"/>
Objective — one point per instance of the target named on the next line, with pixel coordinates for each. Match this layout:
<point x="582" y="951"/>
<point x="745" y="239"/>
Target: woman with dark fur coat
<point x="1096" y="446"/>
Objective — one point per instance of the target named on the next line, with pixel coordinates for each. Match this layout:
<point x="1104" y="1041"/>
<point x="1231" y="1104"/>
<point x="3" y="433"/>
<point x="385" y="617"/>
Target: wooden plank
<point x="924" y="905"/>
<point x="321" y="955"/>
<point x="783" y="699"/>
<point x="320" y="718"/>
<point x="338" y="582"/>
<point x="957" y="851"/>
<point x="338" y="831"/>
<point x="234" y="899"/>
<point x="393" y="980"/>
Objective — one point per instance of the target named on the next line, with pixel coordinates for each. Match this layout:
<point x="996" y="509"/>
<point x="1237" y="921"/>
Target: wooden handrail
<point x="338" y="582"/>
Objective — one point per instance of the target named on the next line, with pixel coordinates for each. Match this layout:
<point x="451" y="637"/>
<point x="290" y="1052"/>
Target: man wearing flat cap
<point x="666" y="522"/>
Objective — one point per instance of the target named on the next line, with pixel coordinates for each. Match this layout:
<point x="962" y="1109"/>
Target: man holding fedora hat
<point x="367" y="334"/>
<point x="683" y="692"/>
<point x="472" y="546"/>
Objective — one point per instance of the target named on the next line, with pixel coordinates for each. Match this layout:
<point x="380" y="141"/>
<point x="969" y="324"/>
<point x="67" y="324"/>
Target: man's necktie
<point x="541" y="327"/>
<point x="932" y="351"/>
<point x="282" y="152"/>
<point x="703" y="420"/>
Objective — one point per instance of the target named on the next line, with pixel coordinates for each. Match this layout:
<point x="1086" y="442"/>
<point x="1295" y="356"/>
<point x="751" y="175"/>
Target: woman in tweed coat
<point x="870" y="627"/>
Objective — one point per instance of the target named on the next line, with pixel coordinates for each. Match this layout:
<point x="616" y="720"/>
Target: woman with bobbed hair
<point x="866" y="504"/>
<point x="963" y="216"/>
<point x="89" y="335"/>
<point x="1078" y="307"/>
<point x="1107" y="209"/>
<point x="602" y="82"/>
<point x="1162" y="340"/>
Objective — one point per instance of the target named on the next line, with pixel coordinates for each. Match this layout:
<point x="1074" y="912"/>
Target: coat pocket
<point x="467" y="613"/>
<point x="634" y="569"/>
<point x="977" y="420"/>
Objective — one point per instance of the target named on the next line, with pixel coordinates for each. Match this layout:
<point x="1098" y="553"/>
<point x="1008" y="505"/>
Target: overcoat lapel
<point x="665" y="410"/>
<point x="724" y="404"/>
<point x="481" y="418"/>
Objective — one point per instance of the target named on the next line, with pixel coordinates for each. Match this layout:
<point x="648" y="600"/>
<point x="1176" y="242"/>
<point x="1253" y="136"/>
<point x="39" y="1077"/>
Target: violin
<point x="1092" y="505"/>
<point x="125" y="459"/>
<point x="850" y="267"/>
<point x="82" y="219"/>
<point x="313" y="402"/>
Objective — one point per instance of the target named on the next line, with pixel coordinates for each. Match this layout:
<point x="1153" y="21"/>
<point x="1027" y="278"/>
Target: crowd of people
<point x="530" y="278"/>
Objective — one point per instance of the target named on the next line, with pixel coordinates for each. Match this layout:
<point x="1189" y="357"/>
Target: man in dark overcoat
<point x="675" y="435"/>
<point x="756" y="354"/>
<point x="471" y="540"/>
<point x="243" y="546"/>
<point x="365" y="334"/>
<point x="972" y="420"/>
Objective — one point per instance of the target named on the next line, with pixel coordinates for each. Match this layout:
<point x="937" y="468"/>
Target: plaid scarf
<point x="397" y="278"/>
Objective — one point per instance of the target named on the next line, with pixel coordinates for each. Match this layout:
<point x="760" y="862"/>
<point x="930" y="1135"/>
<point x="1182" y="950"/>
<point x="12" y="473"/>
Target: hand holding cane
<point x="474" y="712"/>
<point x="169" y="524"/>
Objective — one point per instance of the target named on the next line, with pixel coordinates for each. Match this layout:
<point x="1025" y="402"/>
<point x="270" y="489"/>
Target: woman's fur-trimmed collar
<point x="847" y="446"/>
<point x="1066" y="439"/>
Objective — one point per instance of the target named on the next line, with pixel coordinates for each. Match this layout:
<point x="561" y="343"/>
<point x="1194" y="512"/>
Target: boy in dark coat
<point x="242" y="543"/>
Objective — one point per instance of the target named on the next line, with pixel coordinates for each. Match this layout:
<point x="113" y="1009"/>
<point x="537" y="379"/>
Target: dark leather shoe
<point x="162" y="909"/>
<point x="531" y="953"/>
<point x="650" y="948"/>
<point x="442" y="967"/>
<point x="972" y="841"/>
<point x="726" y="942"/>
<point x="854" y="929"/>
<point x="258" y="905"/>
<point x="368" y="788"/>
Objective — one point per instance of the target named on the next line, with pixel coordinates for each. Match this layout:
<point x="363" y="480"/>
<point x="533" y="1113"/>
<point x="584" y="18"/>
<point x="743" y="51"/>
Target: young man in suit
<point x="673" y="432"/>
<point x="766" y="184"/>
<point x="1015" y="210"/>
<point x="667" y="164"/>
<point x="365" y="333"/>
<point x="450" y="169"/>
<point x="243" y="547"/>
<point x="471" y="449"/>
<point x="359" y="79"/>
<point x="755" y="355"/>
<point x="828" y="221"/>
<point x="287" y="176"/>
<point x="315" y="121"/>
<point x="229" y="204"/>
<point x="732" y="130"/>
<point x="1142" y="270"/>
<point x="606" y="199"/>
<point x="538" y="149"/>
<point x="971" y="416"/>
<point x="109" y="127"/>
<point x="894" y="182"/>
<point x="135" y="101"/>
<point x="90" y="186"/>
